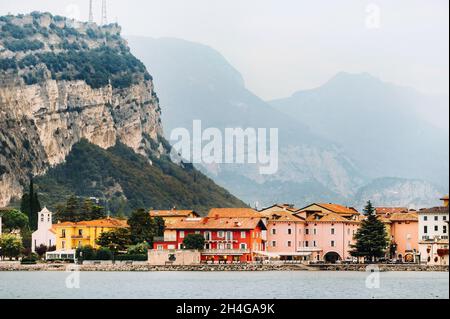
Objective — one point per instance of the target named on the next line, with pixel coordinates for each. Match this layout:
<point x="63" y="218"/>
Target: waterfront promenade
<point x="143" y="267"/>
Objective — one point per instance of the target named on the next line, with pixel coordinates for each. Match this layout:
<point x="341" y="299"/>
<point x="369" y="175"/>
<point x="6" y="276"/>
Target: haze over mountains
<point x="339" y="142"/>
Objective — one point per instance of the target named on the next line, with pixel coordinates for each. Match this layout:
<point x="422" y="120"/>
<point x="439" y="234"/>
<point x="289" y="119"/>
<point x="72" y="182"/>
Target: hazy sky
<point x="281" y="46"/>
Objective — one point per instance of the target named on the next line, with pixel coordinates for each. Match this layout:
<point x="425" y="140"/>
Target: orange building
<point x="404" y="230"/>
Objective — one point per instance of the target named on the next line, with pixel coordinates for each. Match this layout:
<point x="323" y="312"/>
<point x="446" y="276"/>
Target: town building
<point x="433" y="234"/>
<point x="227" y="239"/>
<point x="70" y="236"/>
<point x="402" y="228"/>
<point x="173" y="215"/>
<point x="404" y="236"/>
<point x="328" y="232"/>
<point x="45" y="234"/>
<point x="284" y="233"/>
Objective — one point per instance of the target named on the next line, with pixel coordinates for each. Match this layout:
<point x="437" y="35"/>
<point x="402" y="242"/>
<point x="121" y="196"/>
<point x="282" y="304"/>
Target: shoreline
<point x="11" y="267"/>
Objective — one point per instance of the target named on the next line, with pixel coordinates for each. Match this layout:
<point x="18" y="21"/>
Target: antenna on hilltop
<point x="91" y="13"/>
<point x="104" y="15"/>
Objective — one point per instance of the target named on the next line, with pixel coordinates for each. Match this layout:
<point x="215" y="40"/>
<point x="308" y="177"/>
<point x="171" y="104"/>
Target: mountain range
<point x="339" y="142"/>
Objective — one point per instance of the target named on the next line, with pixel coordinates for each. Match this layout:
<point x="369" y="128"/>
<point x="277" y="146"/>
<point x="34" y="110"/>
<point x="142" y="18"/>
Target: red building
<point x="226" y="239"/>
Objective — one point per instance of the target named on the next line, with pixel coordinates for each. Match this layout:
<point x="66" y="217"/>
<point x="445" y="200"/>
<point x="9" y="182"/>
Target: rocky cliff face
<point x="63" y="81"/>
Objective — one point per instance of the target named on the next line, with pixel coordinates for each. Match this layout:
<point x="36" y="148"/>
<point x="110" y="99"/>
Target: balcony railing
<point x="225" y="251"/>
<point x="80" y="237"/>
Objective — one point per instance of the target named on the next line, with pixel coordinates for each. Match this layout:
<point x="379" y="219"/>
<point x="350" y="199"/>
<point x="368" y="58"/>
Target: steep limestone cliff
<point x="62" y="81"/>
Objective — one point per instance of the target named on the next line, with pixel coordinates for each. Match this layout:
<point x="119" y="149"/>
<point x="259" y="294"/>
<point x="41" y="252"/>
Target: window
<point x="197" y="232"/>
<point x="49" y="219"/>
<point x="314" y="243"/>
<point x="220" y="234"/>
<point x="315" y="231"/>
<point x="182" y="234"/>
<point x="333" y="243"/>
<point x="229" y="235"/>
<point x="229" y="246"/>
<point x="63" y="233"/>
<point x="436" y="218"/>
<point x="80" y="232"/>
<point x="63" y="244"/>
<point x="42" y="218"/>
<point x="306" y="244"/>
<point x="436" y="228"/>
<point x="425" y="229"/>
<point x="444" y="229"/>
<point x="425" y="218"/>
<point x="208" y="235"/>
<point x="307" y="231"/>
<point x="243" y="246"/>
<point x="289" y="231"/>
<point x="274" y="244"/>
<point x="332" y="231"/>
<point x="274" y="231"/>
<point x="289" y="244"/>
<point x="444" y="218"/>
<point x="243" y="234"/>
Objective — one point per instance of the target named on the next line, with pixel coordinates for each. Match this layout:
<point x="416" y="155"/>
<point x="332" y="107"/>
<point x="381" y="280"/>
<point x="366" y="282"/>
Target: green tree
<point x="14" y="220"/>
<point x="10" y="246"/>
<point x="371" y="237"/>
<point x="41" y="250"/>
<point x="70" y="212"/>
<point x="97" y="212"/>
<point x="142" y="227"/>
<point x="117" y="240"/>
<point x="194" y="241"/>
<point x="140" y="249"/>
<point x="160" y="226"/>
<point x="31" y="206"/>
<point x="86" y="253"/>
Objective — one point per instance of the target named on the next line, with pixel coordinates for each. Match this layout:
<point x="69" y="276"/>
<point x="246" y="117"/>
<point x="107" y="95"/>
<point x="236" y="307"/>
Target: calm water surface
<point x="239" y="285"/>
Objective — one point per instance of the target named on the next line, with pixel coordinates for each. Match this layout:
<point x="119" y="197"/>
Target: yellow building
<point x="70" y="236"/>
<point x="445" y="200"/>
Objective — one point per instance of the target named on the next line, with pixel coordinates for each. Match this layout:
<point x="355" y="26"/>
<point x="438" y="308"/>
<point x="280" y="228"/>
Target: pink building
<point x="318" y="232"/>
<point x="284" y="233"/>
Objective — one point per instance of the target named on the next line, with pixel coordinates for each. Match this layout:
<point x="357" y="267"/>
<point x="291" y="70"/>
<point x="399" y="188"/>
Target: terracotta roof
<point x="287" y="207"/>
<point x="329" y="217"/>
<point x="400" y="217"/>
<point x="335" y="208"/>
<point x="282" y="216"/>
<point x="234" y="213"/>
<point x="217" y="223"/>
<point x="434" y="210"/>
<point x="390" y="210"/>
<point x="107" y="223"/>
<point x="172" y="213"/>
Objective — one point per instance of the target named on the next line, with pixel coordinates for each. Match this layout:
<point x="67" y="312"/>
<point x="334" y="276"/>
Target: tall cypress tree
<point x="31" y="206"/>
<point x="371" y="237"/>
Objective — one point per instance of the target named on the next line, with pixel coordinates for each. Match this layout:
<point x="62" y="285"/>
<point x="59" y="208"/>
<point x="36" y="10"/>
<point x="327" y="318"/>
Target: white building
<point x="433" y="235"/>
<point x="44" y="235"/>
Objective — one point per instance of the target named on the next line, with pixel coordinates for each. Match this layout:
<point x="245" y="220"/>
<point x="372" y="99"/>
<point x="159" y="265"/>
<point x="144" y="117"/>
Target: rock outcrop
<point x="50" y="100"/>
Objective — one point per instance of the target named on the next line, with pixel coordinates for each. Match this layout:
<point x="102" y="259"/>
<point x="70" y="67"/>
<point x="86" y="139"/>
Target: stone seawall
<point x="211" y="268"/>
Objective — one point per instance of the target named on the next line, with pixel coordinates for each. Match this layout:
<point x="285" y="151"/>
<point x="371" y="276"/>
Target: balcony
<point x="80" y="237"/>
<point x="225" y="251"/>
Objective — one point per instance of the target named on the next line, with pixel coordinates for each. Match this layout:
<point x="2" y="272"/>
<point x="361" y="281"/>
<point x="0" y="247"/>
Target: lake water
<point x="223" y="285"/>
